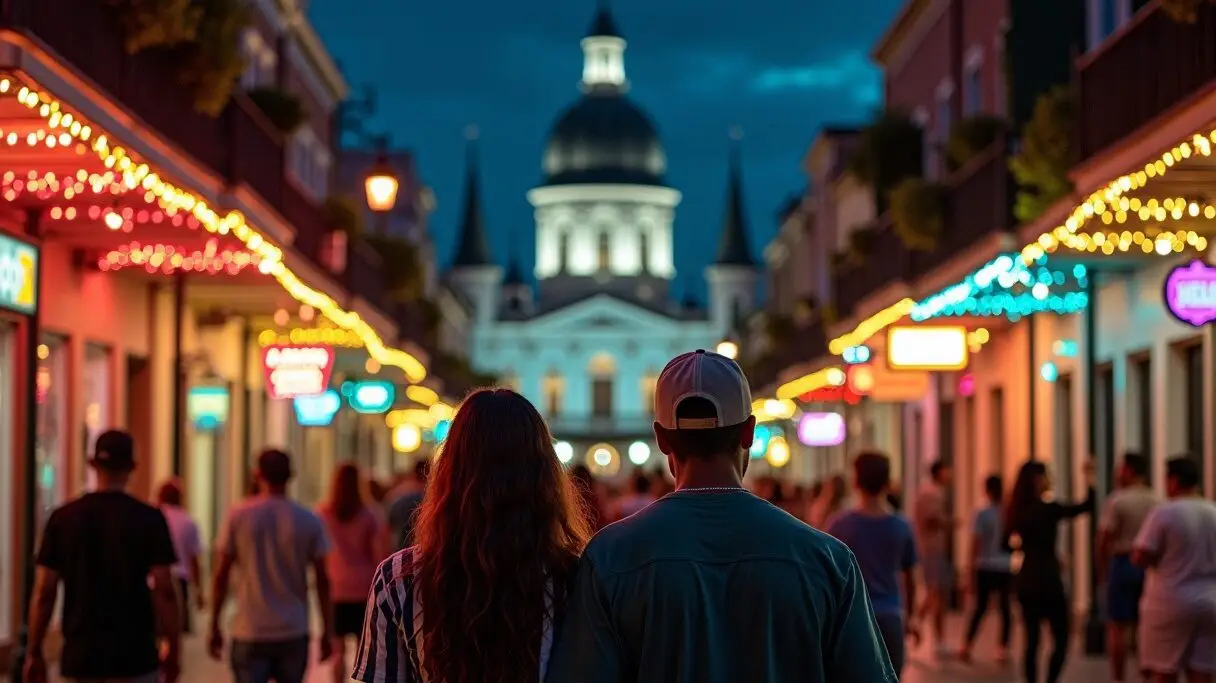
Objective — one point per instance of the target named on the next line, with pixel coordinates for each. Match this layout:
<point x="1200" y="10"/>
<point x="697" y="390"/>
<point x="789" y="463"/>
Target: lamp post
<point x="381" y="183"/>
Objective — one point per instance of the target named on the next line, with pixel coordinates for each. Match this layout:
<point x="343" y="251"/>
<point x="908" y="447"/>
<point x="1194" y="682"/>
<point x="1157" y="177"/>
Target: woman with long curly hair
<point x="499" y="534"/>
<point x="357" y="540"/>
<point x="1033" y="523"/>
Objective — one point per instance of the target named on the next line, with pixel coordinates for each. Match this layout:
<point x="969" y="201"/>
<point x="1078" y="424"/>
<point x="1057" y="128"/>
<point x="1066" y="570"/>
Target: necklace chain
<point x="702" y="489"/>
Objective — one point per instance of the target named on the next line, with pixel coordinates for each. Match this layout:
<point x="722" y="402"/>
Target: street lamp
<point x="728" y="348"/>
<point x="381" y="183"/>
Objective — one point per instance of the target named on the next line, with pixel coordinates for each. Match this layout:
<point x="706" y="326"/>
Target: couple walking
<point x="708" y="584"/>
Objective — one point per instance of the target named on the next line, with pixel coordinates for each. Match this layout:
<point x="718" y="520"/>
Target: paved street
<point x="198" y="668"/>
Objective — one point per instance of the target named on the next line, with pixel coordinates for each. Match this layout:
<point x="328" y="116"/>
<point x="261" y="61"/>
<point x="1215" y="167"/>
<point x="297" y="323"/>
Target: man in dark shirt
<point x="103" y="547"/>
<point x="711" y="584"/>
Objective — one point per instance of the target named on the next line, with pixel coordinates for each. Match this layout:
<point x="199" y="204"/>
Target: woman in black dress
<point x="1033" y="526"/>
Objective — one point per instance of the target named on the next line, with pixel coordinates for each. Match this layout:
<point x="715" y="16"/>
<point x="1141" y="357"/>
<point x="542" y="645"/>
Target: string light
<point x="173" y="199"/>
<point x="299" y="336"/>
<point x="1008" y="286"/>
<point x="871" y="326"/>
<point x="827" y="377"/>
<point x="168" y="259"/>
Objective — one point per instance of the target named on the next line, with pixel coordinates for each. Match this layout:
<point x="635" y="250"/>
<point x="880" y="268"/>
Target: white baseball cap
<point x="702" y="374"/>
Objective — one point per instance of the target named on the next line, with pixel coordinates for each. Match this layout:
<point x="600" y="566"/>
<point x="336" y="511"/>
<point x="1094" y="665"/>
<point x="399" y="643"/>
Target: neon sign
<point x="317" y="410"/>
<point x="207" y="407"/>
<point x="18" y="276"/>
<point x="821" y="429"/>
<point x="927" y="348"/>
<point x="843" y="394"/>
<point x="293" y="371"/>
<point x="1190" y="293"/>
<point x="371" y="397"/>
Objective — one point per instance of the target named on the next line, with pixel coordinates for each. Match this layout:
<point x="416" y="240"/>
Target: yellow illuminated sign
<point x="329" y="336"/>
<point x="927" y="348"/>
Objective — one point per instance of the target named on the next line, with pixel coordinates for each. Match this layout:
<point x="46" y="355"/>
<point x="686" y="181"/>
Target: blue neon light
<point x="759" y="442"/>
<point x="318" y="410"/>
<point x="1008" y="287"/>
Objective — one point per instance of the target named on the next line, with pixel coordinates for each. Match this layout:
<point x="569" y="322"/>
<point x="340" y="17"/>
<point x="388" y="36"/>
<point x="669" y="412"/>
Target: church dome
<point x="604" y="138"/>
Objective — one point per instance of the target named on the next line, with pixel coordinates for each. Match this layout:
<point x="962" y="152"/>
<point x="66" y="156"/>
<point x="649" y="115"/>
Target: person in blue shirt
<point x="886" y="550"/>
<point x="711" y="584"/>
<point x="992" y="569"/>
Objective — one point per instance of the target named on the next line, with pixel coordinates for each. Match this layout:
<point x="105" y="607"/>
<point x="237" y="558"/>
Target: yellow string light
<point x="827" y="377"/>
<point x="173" y="200"/>
<point x="872" y="326"/>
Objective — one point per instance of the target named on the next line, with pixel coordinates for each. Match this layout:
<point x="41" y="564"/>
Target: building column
<point x="161" y="368"/>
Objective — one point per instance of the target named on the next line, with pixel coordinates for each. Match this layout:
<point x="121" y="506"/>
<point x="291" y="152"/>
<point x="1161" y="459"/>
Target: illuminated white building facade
<point x="588" y="344"/>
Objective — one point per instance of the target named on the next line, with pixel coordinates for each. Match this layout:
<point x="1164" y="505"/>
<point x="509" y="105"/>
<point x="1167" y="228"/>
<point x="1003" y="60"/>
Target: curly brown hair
<point x="499" y="535"/>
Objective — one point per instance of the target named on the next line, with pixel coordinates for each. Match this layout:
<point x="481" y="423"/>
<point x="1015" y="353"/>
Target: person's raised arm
<point x="1071" y="510"/>
<point x="854" y="651"/>
<point x="587" y="649"/>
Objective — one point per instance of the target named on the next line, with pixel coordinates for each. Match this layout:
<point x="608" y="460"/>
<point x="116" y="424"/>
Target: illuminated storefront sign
<point x="18" y="276"/>
<point x="1190" y="293"/>
<point x="293" y="371"/>
<point x="927" y="348"/>
<point x="371" y="397"/>
<point x="821" y="429"/>
<point x="317" y="410"/>
<point x="207" y="407"/>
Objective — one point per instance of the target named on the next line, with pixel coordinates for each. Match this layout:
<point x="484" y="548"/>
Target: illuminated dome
<point x="604" y="138"/>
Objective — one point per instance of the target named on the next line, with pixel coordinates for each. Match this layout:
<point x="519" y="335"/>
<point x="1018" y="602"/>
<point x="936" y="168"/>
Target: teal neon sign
<point x="371" y="397"/>
<point x="18" y="276"/>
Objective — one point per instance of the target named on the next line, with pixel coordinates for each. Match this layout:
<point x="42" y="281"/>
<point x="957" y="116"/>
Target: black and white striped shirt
<point x="390" y="649"/>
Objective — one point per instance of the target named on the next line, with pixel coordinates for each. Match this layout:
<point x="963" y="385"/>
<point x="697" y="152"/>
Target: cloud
<point x="849" y="73"/>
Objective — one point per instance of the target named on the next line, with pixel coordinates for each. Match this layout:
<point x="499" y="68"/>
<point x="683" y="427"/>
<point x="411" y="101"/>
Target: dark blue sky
<point x="778" y="68"/>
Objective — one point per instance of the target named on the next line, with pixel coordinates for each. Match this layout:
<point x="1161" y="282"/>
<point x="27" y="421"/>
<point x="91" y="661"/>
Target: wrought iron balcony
<point x="1151" y="65"/>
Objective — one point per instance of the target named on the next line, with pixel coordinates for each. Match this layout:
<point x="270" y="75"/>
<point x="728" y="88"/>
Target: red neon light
<point x="297" y="370"/>
<point x="831" y="395"/>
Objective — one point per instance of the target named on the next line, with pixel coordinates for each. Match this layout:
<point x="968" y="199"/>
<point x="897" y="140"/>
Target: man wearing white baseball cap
<point x="710" y="583"/>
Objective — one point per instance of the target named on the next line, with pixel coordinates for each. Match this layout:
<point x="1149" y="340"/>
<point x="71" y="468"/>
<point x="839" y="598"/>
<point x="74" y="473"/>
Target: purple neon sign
<point x="1190" y="293"/>
<point x="821" y="429"/>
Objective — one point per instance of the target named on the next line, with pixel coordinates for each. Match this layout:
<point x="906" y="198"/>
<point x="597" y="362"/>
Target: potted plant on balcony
<point x="971" y="137"/>
<point x="283" y="109"/>
<point x="916" y="213"/>
<point x="156" y="23"/>
<point x="890" y="150"/>
<point x="401" y="266"/>
<point x="211" y="62"/>
<point x="1041" y="165"/>
<point x="1184" y="11"/>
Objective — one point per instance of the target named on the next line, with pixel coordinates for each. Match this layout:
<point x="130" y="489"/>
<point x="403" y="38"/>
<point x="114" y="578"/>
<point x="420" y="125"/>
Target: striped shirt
<point x="390" y="649"/>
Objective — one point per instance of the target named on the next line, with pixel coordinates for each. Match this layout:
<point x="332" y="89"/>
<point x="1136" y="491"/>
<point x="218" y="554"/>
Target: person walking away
<point x="403" y="511"/>
<point x="829" y="501"/>
<point x="499" y="535"/>
<point x="637" y="499"/>
<point x="712" y="584"/>
<point x="933" y="526"/>
<point x="188" y="546"/>
<point x="1119" y="525"/>
<point x="991" y="570"/>
<point x="267" y="546"/>
<point x="885" y="549"/>
<point x="1177" y="545"/>
<point x="1033" y="524"/>
<point x="358" y="547"/>
<point x="113" y="555"/>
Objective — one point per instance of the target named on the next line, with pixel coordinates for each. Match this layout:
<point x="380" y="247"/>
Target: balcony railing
<point x="1141" y="72"/>
<point x="978" y="204"/>
<point x="889" y="262"/>
<point x="592" y="426"/>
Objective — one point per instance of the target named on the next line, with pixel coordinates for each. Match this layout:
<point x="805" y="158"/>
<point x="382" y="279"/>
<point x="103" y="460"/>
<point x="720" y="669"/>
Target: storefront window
<point x="97" y="402"/>
<point x="50" y="445"/>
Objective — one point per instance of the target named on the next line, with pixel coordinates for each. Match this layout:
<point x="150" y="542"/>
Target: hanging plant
<point x="401" y="267"/>
<point x="861" y="243"/>
<point x="971" y="137"/>
<point x="212" y="62"/>
<point x="1183" y="11"/>
<point x="1047" y="150"/>
<point x="283" y="109"/>
<point x="156" y="23"/>
<point x="916" y="213"/>
<point x="341" y="212"/>
<point x="891" y="149"/>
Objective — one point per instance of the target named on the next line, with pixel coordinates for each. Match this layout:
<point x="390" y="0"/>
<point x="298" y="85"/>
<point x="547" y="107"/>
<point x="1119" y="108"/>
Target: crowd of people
<point x="494" y="563"/>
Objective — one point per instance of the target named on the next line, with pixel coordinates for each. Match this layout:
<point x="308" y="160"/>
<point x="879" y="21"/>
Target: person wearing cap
<point x="113" y="554"/>
<point x="710" y="583"/>
<point x="273" y="542"/>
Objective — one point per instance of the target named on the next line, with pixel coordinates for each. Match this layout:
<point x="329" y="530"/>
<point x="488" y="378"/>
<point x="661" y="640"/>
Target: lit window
<point x="552" y="386"/>
<point x="605" y="252"/>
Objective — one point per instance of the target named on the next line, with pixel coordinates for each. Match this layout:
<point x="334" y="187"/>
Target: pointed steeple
<point x="604" y="25"/>
<point x="473" y="248"/>
<point x="733" y="249"/>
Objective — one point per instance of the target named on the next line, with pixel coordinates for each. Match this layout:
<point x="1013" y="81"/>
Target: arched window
<point x="605" y="252"/>
<point x="649" y="383"/>
<point x="603" y="373"/>
<point x="553" y="387"/>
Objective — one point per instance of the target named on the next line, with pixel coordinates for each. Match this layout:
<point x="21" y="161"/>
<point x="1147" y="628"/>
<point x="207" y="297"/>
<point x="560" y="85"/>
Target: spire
<point x="473" y="249"/>
<point x="603" y="26"/>
<point x="733" y="249"/>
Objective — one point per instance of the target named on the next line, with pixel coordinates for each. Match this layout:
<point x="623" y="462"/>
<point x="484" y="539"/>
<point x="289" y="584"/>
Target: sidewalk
<point x="197" y="667"/>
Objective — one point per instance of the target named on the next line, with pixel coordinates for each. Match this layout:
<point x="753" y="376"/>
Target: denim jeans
<point x="281" y="661"/>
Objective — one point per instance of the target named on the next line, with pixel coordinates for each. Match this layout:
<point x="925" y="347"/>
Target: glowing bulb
<point x="728" y="349"/>
<point x="778" y="454"/>
<point x="113" y="220"/>
<point x="406" y="438"/>
<point x="564" y="451"/>
<point x="639" y="453"/>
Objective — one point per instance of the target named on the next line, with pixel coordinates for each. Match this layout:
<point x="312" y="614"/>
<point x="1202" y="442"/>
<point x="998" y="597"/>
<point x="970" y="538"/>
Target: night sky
<point x="780" y="69"/>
